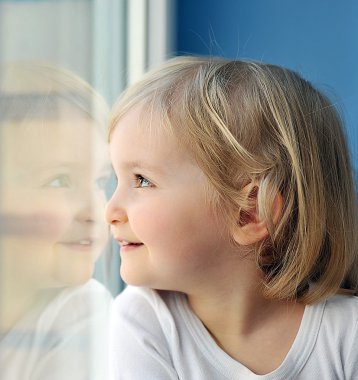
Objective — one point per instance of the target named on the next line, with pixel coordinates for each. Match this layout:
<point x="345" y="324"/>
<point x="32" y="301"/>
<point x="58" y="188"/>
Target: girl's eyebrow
<point x="130" y="165"/>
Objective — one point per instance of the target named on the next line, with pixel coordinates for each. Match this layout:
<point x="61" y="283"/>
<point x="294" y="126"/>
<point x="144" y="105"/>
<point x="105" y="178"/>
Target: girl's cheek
<point x="147" y="221"/>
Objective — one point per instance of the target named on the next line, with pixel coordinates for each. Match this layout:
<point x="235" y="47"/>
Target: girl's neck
<point x="252" y="329"/>
<point x="233" y="293"/>
<point x="225" y="315"/>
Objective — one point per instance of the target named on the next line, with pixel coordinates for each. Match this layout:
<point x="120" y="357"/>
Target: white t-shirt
<point x="156" y="336"/>
<point x="63" y="339"/>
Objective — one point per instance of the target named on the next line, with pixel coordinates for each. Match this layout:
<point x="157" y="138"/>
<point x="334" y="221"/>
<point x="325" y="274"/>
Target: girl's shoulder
<point x="139" y="310"/>
<point x="339" y="333"/>
<point x="144" y="334"/>
<point x="342" y="307"/>
<point x="147" y="301"/>
<point x="340" y="319"/>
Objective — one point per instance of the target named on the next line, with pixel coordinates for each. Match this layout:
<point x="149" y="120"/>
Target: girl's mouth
<point x="128" y="246"/>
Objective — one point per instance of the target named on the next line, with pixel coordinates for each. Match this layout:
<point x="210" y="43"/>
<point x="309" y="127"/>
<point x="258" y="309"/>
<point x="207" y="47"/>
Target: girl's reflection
<point x="54" y="164"/>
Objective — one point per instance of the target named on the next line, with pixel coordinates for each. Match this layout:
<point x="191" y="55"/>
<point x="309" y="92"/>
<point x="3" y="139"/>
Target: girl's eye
<point x="59" y="181"/>
<point x="141" y="181"/>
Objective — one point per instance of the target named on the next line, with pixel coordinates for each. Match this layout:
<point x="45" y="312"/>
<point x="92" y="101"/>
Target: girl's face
<point x="159" y="213"/>
<point x="51" y="201"/>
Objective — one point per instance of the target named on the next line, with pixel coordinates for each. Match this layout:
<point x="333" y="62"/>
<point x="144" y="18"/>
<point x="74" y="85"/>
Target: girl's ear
<point x="250" y="228"/>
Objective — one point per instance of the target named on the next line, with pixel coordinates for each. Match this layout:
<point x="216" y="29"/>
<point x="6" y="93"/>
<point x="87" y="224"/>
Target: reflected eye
<point x="59" y="181"/>
<point x="141" y="181"/>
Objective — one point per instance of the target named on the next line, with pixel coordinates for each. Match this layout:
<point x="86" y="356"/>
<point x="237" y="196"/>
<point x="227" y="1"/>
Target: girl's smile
<point x="127" y="245"/>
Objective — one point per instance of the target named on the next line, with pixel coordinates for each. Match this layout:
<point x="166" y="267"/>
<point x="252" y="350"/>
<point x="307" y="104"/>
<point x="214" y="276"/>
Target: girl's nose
<point x="115" y="212"/>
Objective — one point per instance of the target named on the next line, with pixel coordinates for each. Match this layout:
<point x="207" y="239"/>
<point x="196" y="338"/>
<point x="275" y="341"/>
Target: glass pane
<point x="54" y="170"/>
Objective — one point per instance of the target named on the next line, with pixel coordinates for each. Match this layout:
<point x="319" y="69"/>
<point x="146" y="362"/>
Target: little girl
<point x="236" y="216"/>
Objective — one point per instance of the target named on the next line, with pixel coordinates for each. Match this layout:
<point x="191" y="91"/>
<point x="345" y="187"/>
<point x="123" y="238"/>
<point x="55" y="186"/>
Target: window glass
<point x="62" y="65"/>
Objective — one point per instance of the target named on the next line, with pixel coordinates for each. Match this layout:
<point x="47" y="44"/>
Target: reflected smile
<point x="80" y="244"/>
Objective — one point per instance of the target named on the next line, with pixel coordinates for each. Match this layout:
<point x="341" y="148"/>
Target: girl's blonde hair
<point x="261" y="125"/>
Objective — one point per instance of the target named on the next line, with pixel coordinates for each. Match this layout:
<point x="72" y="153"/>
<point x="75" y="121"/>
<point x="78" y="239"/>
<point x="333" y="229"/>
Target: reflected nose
<point x="91" y="207"/>
<point x="115" y="212"/>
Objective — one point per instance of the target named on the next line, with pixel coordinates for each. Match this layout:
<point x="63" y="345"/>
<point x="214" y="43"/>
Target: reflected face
<point x="52" y="200"/>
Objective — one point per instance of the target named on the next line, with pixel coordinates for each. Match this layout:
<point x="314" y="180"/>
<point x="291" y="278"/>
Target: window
<point x="54" y="246"/>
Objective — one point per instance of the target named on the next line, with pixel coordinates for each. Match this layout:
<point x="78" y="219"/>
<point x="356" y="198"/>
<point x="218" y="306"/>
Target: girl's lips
<point x="122" y="242"/>
<point x="127" y="246"/>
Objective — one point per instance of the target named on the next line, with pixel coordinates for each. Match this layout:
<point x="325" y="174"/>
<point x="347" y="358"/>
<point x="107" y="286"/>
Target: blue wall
<point x="318" y="38"/>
